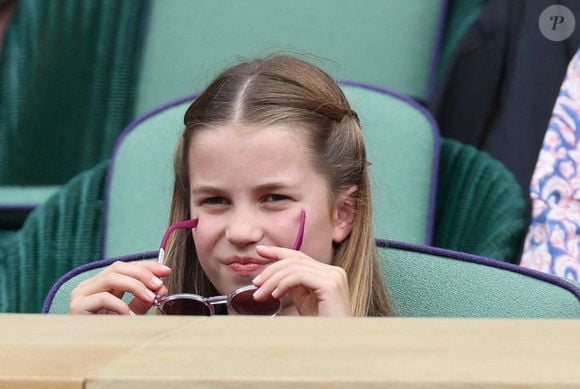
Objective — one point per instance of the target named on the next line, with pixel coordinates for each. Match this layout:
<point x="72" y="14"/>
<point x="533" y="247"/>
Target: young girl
<point x="270" y="143"/>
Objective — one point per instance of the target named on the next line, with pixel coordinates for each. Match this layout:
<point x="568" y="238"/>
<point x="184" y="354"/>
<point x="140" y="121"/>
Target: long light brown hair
<point x="275" y="90"/>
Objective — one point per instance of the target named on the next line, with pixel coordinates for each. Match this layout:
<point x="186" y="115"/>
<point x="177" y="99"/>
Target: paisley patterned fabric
<point x="553" y="241"/>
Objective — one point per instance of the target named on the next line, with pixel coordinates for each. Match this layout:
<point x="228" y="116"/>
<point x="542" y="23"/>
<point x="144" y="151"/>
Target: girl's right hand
<point x="103" y="293"/>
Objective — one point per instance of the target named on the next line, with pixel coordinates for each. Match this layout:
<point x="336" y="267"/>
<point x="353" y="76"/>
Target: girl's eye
<point x="214" y="201"/>
<point x="276" y="197"/>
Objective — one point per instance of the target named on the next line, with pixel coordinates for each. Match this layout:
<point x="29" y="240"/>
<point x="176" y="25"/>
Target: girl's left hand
<point x="316" y="289"/>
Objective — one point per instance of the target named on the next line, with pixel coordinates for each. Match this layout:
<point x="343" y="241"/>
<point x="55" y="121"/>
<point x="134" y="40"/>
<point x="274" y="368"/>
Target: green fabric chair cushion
<point x="68" y="72"/>
<point x="402" y="142"/>
<point x="480" y="206"/>
<point x="426" y="282"/>
<point x="57" y="237"/>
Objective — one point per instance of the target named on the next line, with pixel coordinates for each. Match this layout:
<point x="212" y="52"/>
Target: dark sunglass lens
<point x="183" y="306"/>
<point x="244" y="304"/>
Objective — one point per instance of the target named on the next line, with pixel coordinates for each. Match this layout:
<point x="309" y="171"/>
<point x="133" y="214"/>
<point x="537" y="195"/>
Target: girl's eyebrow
<point x="270" y="186"/>
<point x="206" y="190"/>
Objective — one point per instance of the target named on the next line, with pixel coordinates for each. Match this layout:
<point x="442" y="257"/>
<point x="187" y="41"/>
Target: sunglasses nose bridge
<point x="217" y="300"/>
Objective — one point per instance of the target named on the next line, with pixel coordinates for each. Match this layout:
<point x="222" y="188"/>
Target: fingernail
<point x="132" y="313"/>
<point x="150" y="294"/>
<point x="167" y="268"/>
<point x="260" y="246"/>
<point x="257" y="279"/>
<point x="257" y="293"/>
<point x="156" y="281"/>
<point x="274" y="293"/>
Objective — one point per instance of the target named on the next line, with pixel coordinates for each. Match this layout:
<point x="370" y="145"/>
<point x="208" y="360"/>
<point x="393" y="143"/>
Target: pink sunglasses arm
<point x="300" y="236"/>
<point x="183" y="224"/>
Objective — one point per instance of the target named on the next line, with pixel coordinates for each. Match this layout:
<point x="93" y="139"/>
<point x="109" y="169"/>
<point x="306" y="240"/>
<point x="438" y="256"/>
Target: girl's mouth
<point x="245" y="269"/>
<point x="246" y="266"/>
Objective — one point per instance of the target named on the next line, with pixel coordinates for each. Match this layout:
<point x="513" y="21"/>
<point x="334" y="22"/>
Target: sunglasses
<point x="240" y="300"/>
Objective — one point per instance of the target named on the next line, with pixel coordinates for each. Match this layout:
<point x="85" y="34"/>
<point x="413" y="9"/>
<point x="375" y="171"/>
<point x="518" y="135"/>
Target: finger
<point x="313" y="295"/>
<point x="99" y="302"/>
<point x="297" y="257"/>
<point x="325" y="288"/>
<point x="148" y="272"/>
<point x="141" y="307"/>
<point x="323" y="277"/>
<point x="275" y="252"/>
<point x="271" y="281"/>
<point x="158" y="269"/>
<point x="108" y="280"/>
<point x="114" y="283"/>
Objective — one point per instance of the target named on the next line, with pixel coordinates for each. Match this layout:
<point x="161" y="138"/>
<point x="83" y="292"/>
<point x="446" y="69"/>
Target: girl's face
<point x="248" y="187"/>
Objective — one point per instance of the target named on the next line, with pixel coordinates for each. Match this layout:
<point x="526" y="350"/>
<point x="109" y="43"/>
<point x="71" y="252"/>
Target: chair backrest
<point x="60" y="114"/>
<point x="402" y="141"/>
<point x="58" y="236"/>
<point x="480" y="206"/>
<point x="425" y="282"/>
<point x="391" y="43"/>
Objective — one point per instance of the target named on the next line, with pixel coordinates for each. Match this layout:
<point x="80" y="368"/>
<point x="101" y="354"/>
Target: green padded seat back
<point x="402" y="140"/>
<point x="403" y="143"/>
<point x="68" y="75"/>
<point x="480" y="206"/>
<point x="60" y="235"/>
<point x="140" y="181"/>
<point x="426" y="282"/>
<point x="391" y="43"/>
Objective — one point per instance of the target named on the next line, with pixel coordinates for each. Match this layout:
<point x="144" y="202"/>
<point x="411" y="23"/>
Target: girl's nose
<point x="243" y="229"/>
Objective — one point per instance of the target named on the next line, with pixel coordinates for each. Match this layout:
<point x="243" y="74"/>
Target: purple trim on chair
<point x="436" y="144"/>
<point x="90" y="266"/>
<point x="432" y="77"/>
<point x="118" y="143"/>
<point x="465" y="257"/>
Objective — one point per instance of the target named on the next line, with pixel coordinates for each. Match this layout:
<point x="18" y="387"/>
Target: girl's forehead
<point x="234" y="139"/>
<point x="295" y="130"/>
<point x="265" y="149"/>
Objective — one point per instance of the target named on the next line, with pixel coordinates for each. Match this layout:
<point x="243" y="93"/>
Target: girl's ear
<point x="343" y="214"/>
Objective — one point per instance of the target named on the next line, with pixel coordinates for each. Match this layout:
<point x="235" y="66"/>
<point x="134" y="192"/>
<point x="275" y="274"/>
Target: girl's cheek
<point x="283" y="230"/>
<point x="208" y="230"/>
